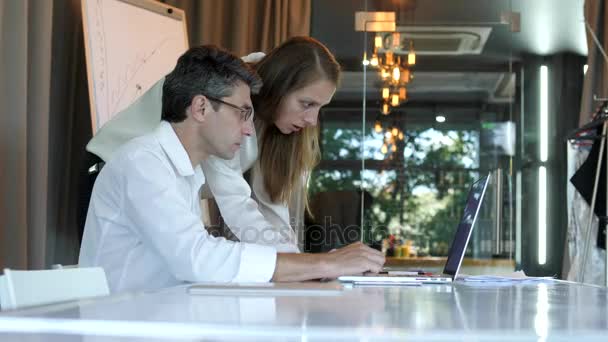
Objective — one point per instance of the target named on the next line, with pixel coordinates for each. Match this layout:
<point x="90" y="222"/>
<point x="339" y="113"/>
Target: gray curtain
<point x="69" y="132"/>
<point x="243" y="26"/>
<point x="44" y="123"/>
<point x="25" y="73"/>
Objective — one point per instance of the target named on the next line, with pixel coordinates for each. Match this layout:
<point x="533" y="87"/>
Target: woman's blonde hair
<point x="286" y="160"/>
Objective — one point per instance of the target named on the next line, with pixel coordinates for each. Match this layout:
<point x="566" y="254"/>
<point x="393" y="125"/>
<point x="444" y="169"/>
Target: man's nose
<point x="247" y="128"/>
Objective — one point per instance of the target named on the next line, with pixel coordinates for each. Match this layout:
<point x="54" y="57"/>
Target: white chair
<point x="20" y="289"/>
<point x="61" y="267"/>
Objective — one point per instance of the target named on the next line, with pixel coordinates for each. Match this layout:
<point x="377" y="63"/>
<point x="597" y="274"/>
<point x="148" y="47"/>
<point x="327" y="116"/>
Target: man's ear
<point x="198" y="108"/>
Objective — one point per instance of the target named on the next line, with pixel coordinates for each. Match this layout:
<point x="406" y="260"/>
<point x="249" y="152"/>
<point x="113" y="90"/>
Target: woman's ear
<point x="198" y="108"/>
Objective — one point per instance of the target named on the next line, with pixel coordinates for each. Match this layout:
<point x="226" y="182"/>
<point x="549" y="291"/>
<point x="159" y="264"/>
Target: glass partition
<point x="422" y="112"/>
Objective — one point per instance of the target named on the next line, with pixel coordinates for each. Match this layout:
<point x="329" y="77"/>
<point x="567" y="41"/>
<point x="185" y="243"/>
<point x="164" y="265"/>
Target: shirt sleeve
<point x="253" y="57"/>
<point x="139" y="118"/>
<point x="164" y="220"/>
<point x="249" y="221"/>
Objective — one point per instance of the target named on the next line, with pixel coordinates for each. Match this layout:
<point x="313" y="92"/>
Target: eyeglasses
<point x="245" y="113"/>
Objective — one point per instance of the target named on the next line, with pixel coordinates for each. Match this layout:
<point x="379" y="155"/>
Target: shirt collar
<point x="174" y="149"/>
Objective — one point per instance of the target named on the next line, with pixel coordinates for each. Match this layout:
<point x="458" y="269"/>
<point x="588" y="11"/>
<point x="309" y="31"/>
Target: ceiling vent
<point x="437" y="40"/>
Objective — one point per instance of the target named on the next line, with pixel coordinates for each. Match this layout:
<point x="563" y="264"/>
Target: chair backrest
<point x="61" y="267"/>
<point x="335" y="221"/>
<point x="20" y="289"/>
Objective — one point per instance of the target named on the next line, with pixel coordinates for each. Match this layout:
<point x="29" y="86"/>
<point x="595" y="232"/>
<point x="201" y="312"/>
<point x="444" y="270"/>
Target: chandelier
<point x="393" y="62"/>
<point x="393" y="65"/>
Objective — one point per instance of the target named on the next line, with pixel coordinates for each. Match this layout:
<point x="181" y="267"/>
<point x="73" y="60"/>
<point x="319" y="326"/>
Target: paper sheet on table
<point x="513" y="278"/>
<point x="267" y="289"/>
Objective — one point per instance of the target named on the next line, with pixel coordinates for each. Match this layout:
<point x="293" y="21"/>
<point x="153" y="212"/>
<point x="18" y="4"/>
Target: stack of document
<point x="515" y="277"/>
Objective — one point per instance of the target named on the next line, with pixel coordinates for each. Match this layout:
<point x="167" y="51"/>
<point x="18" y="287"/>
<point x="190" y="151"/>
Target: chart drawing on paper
<point x="129" y="48"/>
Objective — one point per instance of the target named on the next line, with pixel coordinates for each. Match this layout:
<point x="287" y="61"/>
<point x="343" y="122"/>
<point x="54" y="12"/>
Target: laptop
<point x="455" y="254"/>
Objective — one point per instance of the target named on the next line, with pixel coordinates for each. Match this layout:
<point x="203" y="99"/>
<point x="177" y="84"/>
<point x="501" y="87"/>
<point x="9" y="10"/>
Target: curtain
<point x="44" y="125"/>
<point x="25" y="73"/>
<point x="69" y="131"/>
<point x="243" y="26"/>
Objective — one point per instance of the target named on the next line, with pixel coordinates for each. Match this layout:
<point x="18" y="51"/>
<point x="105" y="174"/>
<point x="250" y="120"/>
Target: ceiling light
<point x="374" y="60"/>
<point x="396" y="74"/>
<point x="378" y="42"/>
<point x="411" y="56"/>
<point x="386" y="109"/>
<point x="395" y="100"/>
<point x="402" y="93"/>
<point x="385" y="93"/>
<point x="405" y="76"/>
<point x="396" y="40"/>
<point x="378" y="126"/>
<point x="389" y="58"/>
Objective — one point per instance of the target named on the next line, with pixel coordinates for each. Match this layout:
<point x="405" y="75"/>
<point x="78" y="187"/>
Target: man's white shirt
<point x="144" y="222"/>
<point x="247" y="211"/>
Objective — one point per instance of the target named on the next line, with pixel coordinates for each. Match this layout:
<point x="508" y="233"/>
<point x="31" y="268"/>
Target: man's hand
<point x="356" y="258"/>
<point x="352" y="259"/>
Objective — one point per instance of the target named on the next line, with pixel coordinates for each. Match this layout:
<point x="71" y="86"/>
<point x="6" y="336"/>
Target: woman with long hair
<point x="300" y="76"/>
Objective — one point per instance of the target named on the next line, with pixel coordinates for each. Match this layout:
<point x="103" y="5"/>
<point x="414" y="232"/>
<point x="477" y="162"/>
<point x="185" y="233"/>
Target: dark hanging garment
<point x="583" y="181"/>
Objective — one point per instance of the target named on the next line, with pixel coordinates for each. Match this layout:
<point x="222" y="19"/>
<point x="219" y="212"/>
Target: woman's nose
<point x="312" y="118"/>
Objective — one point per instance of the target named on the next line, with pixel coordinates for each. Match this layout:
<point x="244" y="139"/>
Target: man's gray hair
<point x="204" y="70"/>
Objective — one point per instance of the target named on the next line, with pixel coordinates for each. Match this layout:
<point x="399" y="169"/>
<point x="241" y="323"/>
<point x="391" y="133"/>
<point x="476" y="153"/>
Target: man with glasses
<point x="144" y="220"/>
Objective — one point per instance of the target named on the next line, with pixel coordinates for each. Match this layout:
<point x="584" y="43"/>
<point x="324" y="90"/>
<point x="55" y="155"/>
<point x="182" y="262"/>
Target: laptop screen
<point x="463" y="232"/>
